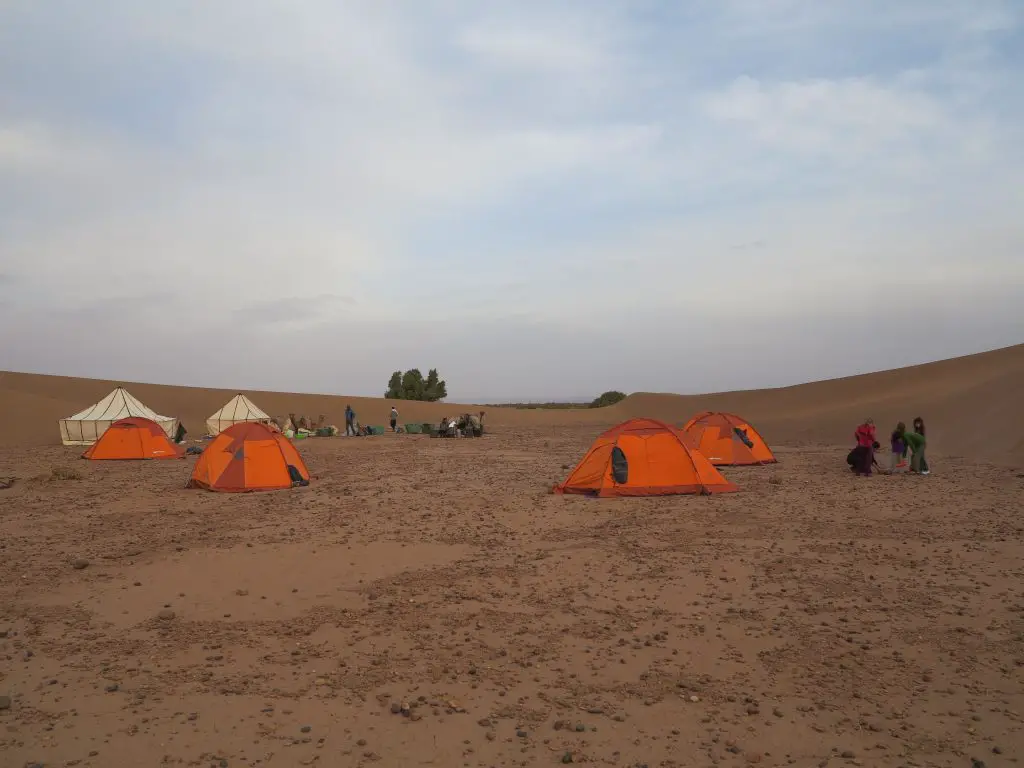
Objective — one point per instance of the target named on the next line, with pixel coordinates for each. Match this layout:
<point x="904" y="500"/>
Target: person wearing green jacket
<point x="915" y="442"/>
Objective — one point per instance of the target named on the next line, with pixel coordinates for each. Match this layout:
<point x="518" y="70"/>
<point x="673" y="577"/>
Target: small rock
<point x="753" y="710"/>
<point x="80" y="564"/>
<point x="995" y="750"/>
<point x="112" y="688"/>
<point x="848" y="755"/>
<point x="777" y="712"/>
<point x="166" y="614"/>
<point x="521" y="734"/>
<point x="306" y="728"/>
<point x="484" y="723"/>
<point x="976" y="763"/>
<point x="396" y="708"/>
<point x="559" y="725"/>
<point x="5" y="702"/>
<point x="567" y="758"/>
<point x="580" y="728"/>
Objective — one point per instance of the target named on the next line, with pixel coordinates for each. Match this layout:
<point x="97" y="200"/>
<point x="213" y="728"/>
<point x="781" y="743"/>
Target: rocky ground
<point x="428" y="602"/>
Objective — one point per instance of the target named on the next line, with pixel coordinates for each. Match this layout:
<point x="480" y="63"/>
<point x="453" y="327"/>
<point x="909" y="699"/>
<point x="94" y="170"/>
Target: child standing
<point x="899" y="448"/>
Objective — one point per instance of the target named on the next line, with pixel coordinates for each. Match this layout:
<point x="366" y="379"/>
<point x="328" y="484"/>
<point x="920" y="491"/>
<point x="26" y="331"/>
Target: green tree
<point x="395" y="387"/>
<point x="410" y="385"/>
<point x="608" y="398"/>
<point x="435" y="388"/>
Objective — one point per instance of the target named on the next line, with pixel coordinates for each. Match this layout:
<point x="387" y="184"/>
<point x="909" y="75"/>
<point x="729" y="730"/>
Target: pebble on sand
<point x="79" y="563"/>
<point x="306" y="728"/>
<point x="5" y="702"/>
<point x="166" y="614"/>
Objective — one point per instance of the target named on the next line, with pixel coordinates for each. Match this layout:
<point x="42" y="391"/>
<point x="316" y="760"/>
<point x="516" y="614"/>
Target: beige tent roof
<point x="85" y="427"/>
<point x="238" y="409"/>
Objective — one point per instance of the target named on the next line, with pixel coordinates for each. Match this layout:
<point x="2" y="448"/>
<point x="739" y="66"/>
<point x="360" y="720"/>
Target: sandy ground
<point x="428" y="602"/>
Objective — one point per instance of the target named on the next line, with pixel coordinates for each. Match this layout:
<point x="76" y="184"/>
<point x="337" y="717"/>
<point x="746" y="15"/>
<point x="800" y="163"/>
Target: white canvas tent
<point x="238" y="409"/>
<point x="86" y="426"/>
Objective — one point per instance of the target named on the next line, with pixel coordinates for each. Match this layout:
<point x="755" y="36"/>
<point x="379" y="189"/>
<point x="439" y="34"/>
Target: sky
<point x="542" y="200"/>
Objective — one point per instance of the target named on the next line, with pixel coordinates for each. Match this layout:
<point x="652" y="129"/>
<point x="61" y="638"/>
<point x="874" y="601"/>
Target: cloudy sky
<point x="542" y="199"/>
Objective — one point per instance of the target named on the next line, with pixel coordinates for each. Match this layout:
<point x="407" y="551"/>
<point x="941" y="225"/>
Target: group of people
<point x="902" y="442"/>
<point x="352" y="428"/>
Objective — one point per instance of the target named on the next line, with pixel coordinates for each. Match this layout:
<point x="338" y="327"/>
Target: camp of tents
<point x="249" y="452"/>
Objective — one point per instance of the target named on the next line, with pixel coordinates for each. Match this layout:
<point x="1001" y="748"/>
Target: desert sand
<point x="429" y="602"/>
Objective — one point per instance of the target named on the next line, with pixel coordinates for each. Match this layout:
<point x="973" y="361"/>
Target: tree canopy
<point x="410" y="385"/>
<point x="608" y="398"/>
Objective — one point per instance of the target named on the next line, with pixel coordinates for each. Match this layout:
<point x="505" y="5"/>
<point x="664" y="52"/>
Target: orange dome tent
<point x="644" y="457"/>
<point x="134" y="438"/>
<point x="249" y="457"/>
<point x="728" y="440"/>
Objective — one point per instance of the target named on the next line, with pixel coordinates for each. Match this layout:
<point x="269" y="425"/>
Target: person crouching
<point x="865" y="436"/>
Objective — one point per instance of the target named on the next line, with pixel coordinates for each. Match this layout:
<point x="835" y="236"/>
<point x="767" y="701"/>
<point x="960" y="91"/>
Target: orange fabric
<point x="134" y="438"/>
<point x="247" y="457"/>
<point x="659" y="459"/>
<point x="715" y="436"/>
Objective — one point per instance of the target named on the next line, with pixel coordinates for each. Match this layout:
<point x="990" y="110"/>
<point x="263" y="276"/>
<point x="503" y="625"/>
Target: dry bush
<point x="58" y="474"/>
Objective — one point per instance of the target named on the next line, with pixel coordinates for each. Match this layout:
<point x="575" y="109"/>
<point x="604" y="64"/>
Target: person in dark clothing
<point x="919" y="429"/>
<point x="350" y="421"/>
<point x="899" y="448"/>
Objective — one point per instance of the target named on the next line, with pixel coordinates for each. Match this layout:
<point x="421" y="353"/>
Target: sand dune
<point x="972" y="404"/>
<point x="431" y="602"/>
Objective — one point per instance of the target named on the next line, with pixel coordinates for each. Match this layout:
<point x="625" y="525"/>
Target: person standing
<point x="350" y="421"/>
<point x="394" y="419"/>
<point x="919" y="429"/>
<point x="865" y="436"/>
<point x="915" y="441"/>
<point x="899" y="448"/>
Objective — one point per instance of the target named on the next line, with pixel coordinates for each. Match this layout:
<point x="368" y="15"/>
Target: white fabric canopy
<point x="85" y="427"/>
<point x="238" y="409"/>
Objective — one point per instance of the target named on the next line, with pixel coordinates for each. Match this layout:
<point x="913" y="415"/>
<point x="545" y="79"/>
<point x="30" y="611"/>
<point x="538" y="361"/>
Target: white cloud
<point x="458" y="168"/>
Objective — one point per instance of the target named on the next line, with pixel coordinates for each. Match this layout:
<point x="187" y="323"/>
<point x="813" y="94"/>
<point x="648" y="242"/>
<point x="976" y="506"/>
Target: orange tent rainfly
<point x="644" y="457"/>
<point x="134" y="438"/>
<point x="249" y="457"/>
<point x="728" y="440"/>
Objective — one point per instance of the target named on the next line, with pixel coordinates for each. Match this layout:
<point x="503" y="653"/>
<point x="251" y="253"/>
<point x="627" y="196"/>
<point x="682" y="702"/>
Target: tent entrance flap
<point x="620" y="467"/>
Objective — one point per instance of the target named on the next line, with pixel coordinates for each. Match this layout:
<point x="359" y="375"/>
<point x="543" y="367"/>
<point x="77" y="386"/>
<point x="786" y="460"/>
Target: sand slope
<point x="973" y="406"/>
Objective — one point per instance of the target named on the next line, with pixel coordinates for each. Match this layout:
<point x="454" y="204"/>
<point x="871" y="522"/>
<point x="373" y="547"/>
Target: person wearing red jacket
<point x="865" y="436"/>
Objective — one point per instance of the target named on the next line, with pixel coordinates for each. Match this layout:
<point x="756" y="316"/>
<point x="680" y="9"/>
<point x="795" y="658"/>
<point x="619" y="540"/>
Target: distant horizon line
<point x="458" y="399"/>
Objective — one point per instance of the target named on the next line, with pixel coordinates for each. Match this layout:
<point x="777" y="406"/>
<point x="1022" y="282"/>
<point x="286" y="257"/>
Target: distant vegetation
<point x="608" y="398"/>
<point x="540" y="406"/>
<point x="411" y="385"/>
